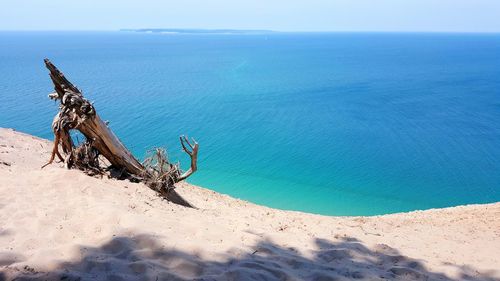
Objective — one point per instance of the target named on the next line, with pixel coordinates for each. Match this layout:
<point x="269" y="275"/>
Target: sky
<point x="279" y="15"/>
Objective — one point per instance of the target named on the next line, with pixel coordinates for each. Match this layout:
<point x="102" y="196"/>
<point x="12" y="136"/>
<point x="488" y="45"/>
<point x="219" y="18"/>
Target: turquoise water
<point x="337" y="124"/>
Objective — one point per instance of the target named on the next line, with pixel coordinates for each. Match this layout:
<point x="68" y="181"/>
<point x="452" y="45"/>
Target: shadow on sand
<point x="142" y="257"/>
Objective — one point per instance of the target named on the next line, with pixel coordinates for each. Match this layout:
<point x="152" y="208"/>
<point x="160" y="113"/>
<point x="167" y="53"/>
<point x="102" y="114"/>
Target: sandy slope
<point x="59" y="224"/>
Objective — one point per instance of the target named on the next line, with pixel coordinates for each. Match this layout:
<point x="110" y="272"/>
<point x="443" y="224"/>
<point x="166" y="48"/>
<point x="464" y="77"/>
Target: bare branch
<point x="192" y="154"/>
<point x="183" y="145"/>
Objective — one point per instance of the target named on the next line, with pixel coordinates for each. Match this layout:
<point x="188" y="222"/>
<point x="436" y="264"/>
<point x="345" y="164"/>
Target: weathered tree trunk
<point x="91" y="125"/>
<point x="78" y="113"/>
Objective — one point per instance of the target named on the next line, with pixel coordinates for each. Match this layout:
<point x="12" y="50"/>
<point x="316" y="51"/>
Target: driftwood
<point x="77" y="113"/>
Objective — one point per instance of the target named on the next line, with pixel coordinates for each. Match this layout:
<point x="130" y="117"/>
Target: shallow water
<point x="342" y="124"/>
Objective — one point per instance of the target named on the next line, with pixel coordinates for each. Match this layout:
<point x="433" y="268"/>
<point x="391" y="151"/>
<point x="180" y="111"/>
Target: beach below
<point x="59" y="224"/>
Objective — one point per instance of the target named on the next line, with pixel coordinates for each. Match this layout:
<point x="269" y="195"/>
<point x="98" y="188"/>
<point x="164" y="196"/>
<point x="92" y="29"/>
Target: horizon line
<point x="142" y="30"/>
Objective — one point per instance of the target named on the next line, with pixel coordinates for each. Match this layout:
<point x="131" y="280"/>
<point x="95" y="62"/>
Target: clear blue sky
<point x="282" y="15"/>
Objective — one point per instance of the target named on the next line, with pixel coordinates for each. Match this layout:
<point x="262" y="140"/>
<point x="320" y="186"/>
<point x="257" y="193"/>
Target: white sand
<point x="58" y="224"/>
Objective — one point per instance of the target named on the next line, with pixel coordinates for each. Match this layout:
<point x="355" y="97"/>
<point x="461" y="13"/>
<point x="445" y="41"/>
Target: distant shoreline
<point x="256" y="32"/>
<point x="198" y="31"/>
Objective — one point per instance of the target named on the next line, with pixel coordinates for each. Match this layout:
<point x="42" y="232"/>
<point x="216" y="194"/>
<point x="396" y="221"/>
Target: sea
<point x="326" y="123"/>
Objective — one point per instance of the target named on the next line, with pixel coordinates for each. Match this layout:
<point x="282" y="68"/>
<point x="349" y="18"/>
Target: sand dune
<point x="59" y="224"/>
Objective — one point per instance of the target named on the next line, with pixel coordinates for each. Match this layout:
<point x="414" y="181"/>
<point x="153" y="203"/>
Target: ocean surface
<point x="335" y="124"/>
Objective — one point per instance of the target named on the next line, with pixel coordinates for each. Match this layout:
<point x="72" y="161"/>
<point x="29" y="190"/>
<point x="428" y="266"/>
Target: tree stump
<point x="77" y="113"/>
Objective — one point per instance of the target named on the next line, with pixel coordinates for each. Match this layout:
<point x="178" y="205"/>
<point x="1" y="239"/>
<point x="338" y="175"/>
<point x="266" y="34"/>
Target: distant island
<point x="199" y="31"/>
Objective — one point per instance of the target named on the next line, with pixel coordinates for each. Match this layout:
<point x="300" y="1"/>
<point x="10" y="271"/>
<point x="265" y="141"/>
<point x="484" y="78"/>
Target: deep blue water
<point x="342" y="124"/>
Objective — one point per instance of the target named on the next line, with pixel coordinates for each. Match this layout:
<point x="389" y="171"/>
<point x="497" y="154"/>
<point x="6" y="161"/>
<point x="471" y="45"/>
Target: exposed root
<point x="159" y="174"/>
<point x="55" y="151"/>
<point x="85" y="157"/>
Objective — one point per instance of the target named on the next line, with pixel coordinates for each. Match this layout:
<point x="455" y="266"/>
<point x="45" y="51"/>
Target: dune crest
<point x="59" y="224"/>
